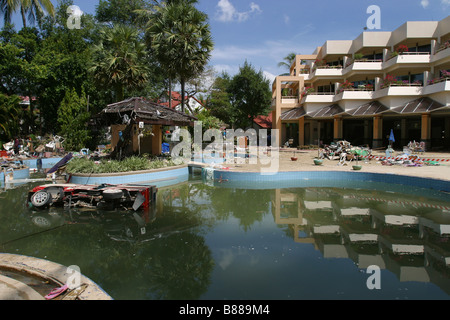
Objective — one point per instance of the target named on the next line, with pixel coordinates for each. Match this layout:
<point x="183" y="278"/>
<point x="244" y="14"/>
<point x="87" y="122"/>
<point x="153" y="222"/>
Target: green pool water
<point x="205" y="242"/>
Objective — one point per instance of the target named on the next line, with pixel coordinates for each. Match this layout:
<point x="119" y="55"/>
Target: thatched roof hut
<point x="130" y="118"/>
<point x="137" y="110"/>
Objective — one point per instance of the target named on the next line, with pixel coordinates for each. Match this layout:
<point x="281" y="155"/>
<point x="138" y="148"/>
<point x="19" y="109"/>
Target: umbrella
<point x="391" y="137"/>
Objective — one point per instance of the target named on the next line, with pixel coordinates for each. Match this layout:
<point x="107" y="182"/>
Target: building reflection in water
<point x="410" y="238"/>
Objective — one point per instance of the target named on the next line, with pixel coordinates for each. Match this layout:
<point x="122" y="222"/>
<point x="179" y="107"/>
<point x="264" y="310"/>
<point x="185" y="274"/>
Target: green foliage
<point x="120" y="11"/>
<point x="181" y="39"/>
<point x="239" y="100"/>
<point x="83" y="165"/>
<point x="72" y="116"/>
<point x="119" y="60"/>
<point x="29" y="10"/>
<point x="219" y="100"/>
<point x="10" y="113"/>
<point x="208" y="120"/>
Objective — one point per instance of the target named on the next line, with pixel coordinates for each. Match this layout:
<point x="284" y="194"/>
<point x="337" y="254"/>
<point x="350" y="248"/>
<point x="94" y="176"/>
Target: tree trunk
<point x="24" y="19"/>
<point x="182" y="82"/>
<point x="170" y="93"/>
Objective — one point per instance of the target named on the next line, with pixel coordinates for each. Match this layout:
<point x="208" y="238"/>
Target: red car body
<point x="92" y="196"/>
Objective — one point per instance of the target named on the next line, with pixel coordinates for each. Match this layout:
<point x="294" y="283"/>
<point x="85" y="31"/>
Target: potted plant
<point x="359" y="56"/>
<point x="294" y="158"/>
<point x="357" y="166"/>
<point x="402" y="49"/>
<point x="318" y="162"/>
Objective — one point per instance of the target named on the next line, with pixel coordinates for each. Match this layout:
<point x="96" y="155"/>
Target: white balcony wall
<point x="413" y="58"/>
<point x="317" y="98"/>
<point x="363" y="66"/>
<point x="443" y="86"/>
<point x="441" y="55"/>
<point x="354" y="95"/>
<point x="398" y="91"/>
<point x="327" y="72"/>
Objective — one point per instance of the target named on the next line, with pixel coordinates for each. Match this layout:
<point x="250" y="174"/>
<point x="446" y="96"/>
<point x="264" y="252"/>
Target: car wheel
<point x="110" y="194"/>
<point x="41" y="198"/>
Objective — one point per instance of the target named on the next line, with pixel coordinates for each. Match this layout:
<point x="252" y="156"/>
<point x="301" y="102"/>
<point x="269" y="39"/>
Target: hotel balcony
<point x="326" y="71"/>
<point x="363" y="65"/>
<point x="407" y="58"/>
<point x="354" y="94"/>
<point x="439" y="85"/>
<point x="399" y="90"/>
<point x="441" y="53"/>
<point x="318" y="97"/>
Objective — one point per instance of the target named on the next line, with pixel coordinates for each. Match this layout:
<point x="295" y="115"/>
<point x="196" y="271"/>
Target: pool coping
<point x="221" y="176"/>
<point x="50" y="271"/>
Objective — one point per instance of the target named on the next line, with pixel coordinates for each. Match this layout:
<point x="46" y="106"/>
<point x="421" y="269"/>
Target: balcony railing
<point x="437" y="80"/>
<point x="349" y="63"/>
<point x="408" y="53"/>
<point x="356" y="89"/>
<point x="402" y="84"/>
<point x="442" y="47"/>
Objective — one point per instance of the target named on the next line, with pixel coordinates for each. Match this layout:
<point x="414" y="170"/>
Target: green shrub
<point x="84" y="165"/>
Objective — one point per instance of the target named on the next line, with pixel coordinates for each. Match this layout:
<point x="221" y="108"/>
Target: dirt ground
<point x="305" y="162"/>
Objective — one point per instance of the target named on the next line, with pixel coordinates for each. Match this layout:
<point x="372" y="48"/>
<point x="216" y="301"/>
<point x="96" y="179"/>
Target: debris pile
<point x="344" y="151"/>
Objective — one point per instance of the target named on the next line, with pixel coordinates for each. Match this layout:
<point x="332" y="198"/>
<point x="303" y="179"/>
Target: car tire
<point x="41" y="199"/>
<point x="111" y="194"/>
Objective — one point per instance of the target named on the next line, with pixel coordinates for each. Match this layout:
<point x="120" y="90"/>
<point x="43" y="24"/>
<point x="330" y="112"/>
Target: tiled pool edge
<point x="322" y="177"/>
<point x="17" y="174"/>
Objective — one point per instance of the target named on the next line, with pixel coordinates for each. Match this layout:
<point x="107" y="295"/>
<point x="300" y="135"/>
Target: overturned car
<point x="105" y="196"/>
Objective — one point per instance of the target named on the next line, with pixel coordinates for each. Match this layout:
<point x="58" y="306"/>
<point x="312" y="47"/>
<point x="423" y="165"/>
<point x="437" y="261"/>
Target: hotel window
<point x="328" y="88"/>
<point x="424" y="48"/>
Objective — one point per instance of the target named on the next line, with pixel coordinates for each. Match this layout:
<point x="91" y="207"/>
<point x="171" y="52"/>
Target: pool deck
<point x="305" y="162"/>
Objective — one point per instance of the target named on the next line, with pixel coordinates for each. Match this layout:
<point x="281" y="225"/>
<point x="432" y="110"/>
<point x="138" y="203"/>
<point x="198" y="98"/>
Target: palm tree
<point x="181" y="40"/>
<point x="288" y="61"/>
<point x="7" y="8"/>
<point x="120" y="60"/>
<point x="35" y="9"/>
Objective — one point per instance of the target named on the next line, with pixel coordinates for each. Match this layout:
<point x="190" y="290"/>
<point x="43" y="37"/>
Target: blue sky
<point x="263" y="32"/>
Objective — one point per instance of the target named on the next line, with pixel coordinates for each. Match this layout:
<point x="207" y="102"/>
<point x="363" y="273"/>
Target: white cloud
<point x="425" y="3"/>
<point x="287" y="19"/>
<point x="445" y="2"/>
<point x="227" y="12"/>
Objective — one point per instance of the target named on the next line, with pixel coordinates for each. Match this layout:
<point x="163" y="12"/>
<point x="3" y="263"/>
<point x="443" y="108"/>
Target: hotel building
<point x="359" y="90"/>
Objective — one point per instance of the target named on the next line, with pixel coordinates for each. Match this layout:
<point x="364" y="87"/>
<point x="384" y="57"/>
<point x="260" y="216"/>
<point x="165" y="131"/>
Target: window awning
<point x="326" y="112"/>
<point x="293" y="114"/>
<point x="368" y="109"/>
<point x="422" y="105"/>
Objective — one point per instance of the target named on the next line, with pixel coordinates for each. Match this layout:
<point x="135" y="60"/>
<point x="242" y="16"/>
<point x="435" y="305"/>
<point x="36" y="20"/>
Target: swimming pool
<point x="236" y="239"/>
